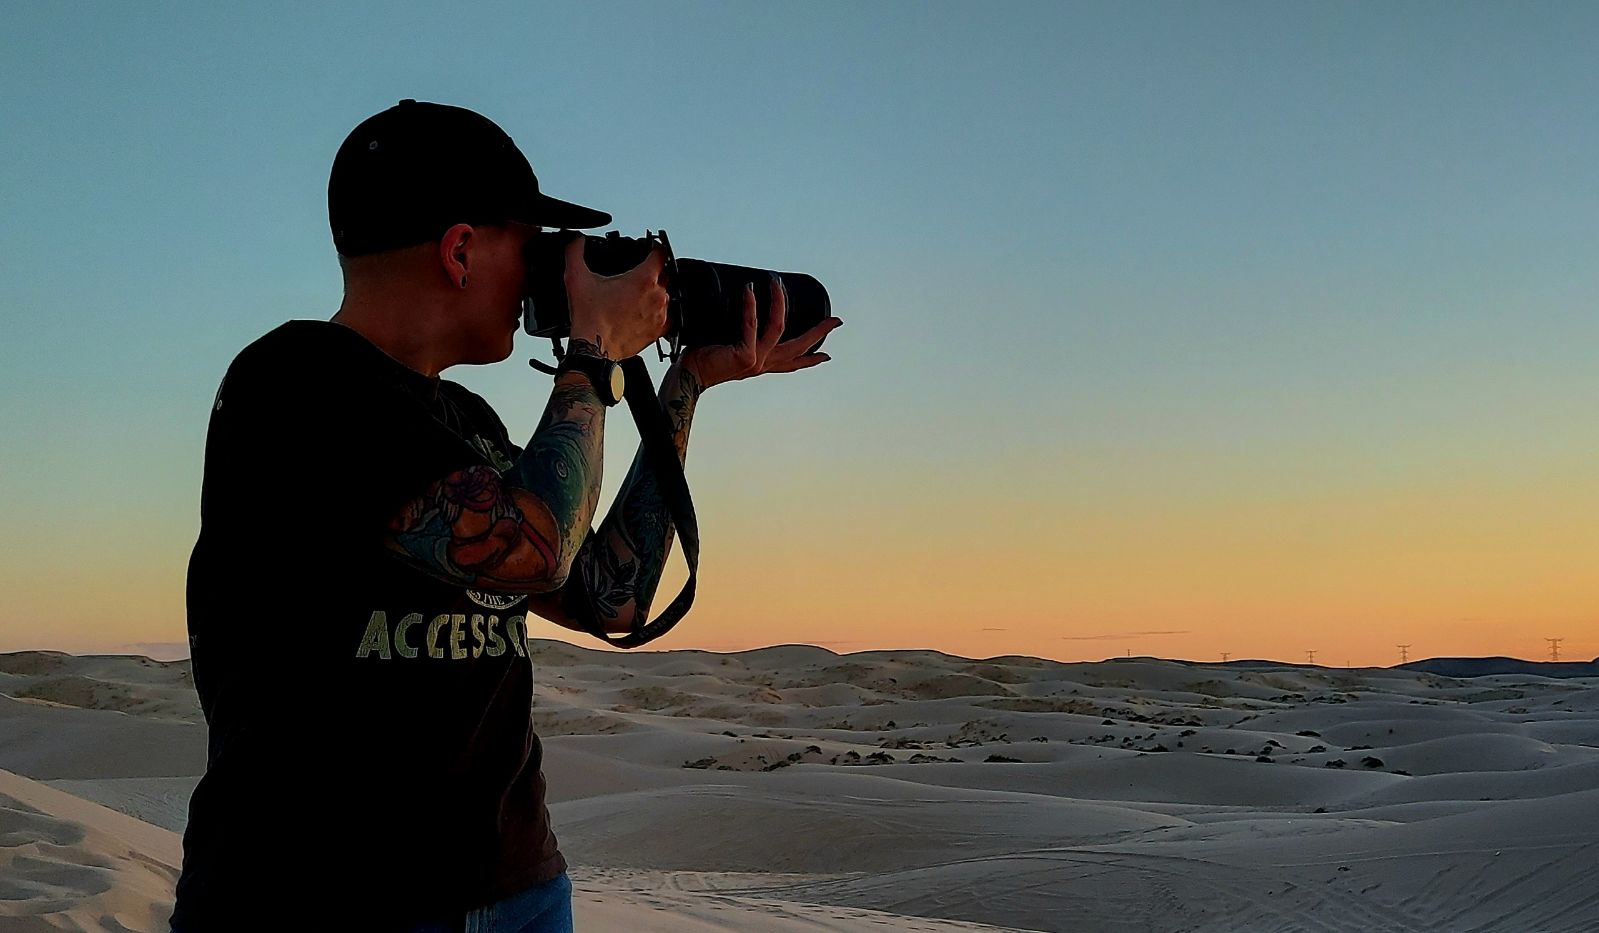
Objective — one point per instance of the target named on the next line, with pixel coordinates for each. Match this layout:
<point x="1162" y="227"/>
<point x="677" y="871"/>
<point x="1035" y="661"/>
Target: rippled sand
<point x="791" y="788"/>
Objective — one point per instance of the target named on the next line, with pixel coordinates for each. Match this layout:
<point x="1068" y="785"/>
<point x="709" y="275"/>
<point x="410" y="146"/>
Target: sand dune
<point x="66" y="863"/>
<point x="793" y="788"/>
<point x="50" y="741"/>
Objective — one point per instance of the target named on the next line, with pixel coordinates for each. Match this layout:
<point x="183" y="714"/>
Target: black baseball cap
<point x="406" y="175"/>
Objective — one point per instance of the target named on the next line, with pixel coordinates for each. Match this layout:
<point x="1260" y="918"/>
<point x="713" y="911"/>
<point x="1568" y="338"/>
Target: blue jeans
<point x="543" y="908"/>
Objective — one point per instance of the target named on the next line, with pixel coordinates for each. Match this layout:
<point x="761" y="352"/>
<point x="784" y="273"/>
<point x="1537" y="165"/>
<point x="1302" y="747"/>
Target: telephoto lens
<point x="707" y="303"/>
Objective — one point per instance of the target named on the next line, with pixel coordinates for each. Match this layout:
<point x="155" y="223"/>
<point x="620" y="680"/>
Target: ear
<point x="455" y="251"/>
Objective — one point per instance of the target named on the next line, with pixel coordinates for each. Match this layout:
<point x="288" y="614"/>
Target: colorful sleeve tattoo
<point x="521" y="532"/>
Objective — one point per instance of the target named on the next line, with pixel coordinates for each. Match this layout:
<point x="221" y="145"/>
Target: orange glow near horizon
<point x="1349" y="574"/>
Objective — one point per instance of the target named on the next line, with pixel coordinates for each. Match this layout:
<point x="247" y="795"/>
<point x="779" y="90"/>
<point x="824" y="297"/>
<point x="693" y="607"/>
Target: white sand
<point x="68" y="864"/>
<point x="835" y="804"/>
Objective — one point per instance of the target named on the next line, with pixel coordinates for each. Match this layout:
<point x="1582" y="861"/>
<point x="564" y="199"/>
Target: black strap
<point x="655" y="434"/>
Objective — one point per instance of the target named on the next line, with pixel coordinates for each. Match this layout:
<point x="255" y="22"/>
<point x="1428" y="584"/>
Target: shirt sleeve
<point x="484" y="415"/>
<point x="323" y="447"/>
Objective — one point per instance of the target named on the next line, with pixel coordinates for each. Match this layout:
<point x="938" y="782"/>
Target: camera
<point x="705" y="307"/>
<point x="706" y="304"/>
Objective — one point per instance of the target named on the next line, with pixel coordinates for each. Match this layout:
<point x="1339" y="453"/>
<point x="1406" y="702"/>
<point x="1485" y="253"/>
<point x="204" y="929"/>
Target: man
<point x="373" y="549"/>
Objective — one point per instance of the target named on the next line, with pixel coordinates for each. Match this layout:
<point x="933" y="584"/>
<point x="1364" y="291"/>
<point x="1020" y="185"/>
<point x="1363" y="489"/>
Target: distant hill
<point x="1443" y="667"/>
<point x="1482" y="667"/>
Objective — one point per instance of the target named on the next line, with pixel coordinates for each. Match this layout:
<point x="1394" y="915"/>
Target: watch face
<point x="618" y="382"/>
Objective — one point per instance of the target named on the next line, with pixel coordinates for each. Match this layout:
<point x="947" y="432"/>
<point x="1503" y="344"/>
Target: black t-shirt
<point x="371" y="757"/>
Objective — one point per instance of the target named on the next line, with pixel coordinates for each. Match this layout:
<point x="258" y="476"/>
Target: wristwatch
<point x="609" y="380"/>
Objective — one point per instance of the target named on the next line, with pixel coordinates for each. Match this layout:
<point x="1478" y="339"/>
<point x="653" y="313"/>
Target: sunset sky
<point x="1171" y="329"/>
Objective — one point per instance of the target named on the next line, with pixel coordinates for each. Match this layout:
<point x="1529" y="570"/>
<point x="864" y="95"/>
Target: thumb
<point x="574" y="252"/>
<point x="656" y="261"/>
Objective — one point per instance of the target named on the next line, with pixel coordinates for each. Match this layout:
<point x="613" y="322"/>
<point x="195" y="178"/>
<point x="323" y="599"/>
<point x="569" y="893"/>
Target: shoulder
<point x="297" y="341"/>
<point x="466" y="398"/>
<point x="306" y="349"/>
<point x="309" y="355"/>
<point x="482" y="417"/>
<point x="475" y="405"/>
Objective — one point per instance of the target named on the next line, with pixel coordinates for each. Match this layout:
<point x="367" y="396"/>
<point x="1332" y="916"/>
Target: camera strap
<point x="655" y="435"/>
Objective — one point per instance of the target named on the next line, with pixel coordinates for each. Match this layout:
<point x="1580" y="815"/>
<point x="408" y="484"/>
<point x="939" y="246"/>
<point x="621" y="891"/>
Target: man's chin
<point x="489" y="353"/>
<point x="507" y="348"/>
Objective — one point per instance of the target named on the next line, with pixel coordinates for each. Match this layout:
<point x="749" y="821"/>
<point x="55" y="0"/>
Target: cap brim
<point x="553" y="212"/>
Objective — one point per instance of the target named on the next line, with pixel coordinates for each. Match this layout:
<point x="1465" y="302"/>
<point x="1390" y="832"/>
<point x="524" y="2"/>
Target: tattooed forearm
<point x="561" y="465"/>
<point x="623" y="563"/>
<point x="521" y="532"/>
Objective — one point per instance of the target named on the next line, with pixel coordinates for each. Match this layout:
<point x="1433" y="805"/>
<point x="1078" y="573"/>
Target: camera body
<point x="706" y="304"/>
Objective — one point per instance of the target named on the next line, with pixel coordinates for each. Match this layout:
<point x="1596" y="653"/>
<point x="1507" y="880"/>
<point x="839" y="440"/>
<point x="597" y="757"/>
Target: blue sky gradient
<point x="1103" y="266"/>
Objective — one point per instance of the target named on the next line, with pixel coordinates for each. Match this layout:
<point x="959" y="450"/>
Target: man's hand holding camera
<point x="753" y="356"/>
<point x="619" y="315"/>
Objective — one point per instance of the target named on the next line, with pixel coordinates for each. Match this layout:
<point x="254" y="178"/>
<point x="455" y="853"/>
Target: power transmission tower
<point x="1312" y="655"/>
<point x="1225" y="655"/>
<point x="1404" y="654"/>
<point x="1554" y="648"/>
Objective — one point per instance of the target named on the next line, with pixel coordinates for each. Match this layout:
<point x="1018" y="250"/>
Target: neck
<point x="407" y="333"/>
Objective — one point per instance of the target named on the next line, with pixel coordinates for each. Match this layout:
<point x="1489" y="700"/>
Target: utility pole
<point x="1404" y="654"/>
<point x="1312" y="655"/>
<point x="1554" y="648"/>
<point x="1225" y="655"/>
